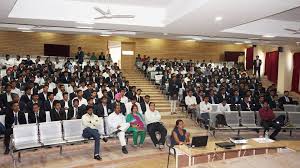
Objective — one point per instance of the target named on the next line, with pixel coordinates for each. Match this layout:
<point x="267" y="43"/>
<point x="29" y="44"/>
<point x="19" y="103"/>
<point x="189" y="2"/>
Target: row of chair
<point x="249" y="120"/>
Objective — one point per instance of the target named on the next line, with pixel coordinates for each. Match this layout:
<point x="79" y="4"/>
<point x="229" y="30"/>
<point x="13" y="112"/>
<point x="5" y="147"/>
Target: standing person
<point x="91" y="122"/>
<point x="80" y="55"/>
<point x="173" y="91"/>
<point x="205" y="108"/>
<point x="117" y="125"/>
<point x="256" y="66"/>
<point x="12" y="117"/>
<point x="137" y="126"/>
<point x="268" y="120"/>
<point x="152" y="118"/>
<point x="179" y="135"/>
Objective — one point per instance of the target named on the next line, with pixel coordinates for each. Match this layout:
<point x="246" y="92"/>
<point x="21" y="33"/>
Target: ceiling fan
<point x="106" y="14"/>
<point x="293" y="30"/>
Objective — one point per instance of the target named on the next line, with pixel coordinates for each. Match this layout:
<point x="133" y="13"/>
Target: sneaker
<point x="124" y="150"/>
<point x="105" y="140"/>
<point x="157" y="146"/>
<point x="97" y="157"/>
<point x="161" y="146"/>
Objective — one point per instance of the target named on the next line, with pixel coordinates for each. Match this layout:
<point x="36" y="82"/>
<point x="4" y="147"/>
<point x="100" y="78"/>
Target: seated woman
<point x="179" y="135"/>
<point x="137" y="126"/>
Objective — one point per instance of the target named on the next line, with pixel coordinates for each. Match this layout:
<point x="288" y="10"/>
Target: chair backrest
<point x="232" y="118"/>
<point x="25" y="133"/>
<point x="48" y="118"/>
<point x="294" y="118"/>
<point x="290" y="107"/>
<point x="248" y="118"/>
<point x="72" y="128"/>
<point x="50" y="131"/>
<point x="168" y="141"/>
<point x="2" y="119"/>
<point x="214" y="108"/>
<point x="212" y="118"/>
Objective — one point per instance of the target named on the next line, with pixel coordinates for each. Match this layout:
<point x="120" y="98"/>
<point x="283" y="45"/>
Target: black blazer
<point x="41" y="117"/>
<point x="10" y="118"/>
<point x="123" y="108"/>
<point x="30" y="106"/>
<point x="62" y="102"/>
<point x="25" y="99"/>
<point x="254" y="63"/>
<point x="234" y="100"/>
<point x="81" y="112"/>
<point x="55" y="116"/>
<point x="141" y="99"/>
<point x="42" y="97"/>
<point x="283" y="101"/>
<point x="47" y="105"/>
<point x="4" y="100"/>
<point x="99" y="110"/>
<point x="244" y="106"/>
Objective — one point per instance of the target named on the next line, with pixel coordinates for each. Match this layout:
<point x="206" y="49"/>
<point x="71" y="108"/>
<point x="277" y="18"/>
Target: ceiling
<point x="242" y="21"/>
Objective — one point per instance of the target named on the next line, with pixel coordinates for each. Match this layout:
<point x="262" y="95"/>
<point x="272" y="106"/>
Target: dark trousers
<point x="205" y="119"/>
<point x="157" y="127"/>
<point x="273" y="124"/>
<point x="93" y="133"/>
<point x="8" y="132"/>
<point x="2" y="129"/>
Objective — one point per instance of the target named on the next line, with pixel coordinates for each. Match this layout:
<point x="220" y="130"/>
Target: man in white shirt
<point x="152" y="118"/>
<point x="129" y="105"/>
<point x="8" y="62"/>
<point x="191" y="103"/>
<point x="117" y="125"/>
<point x="124" y="99"/>
<point x="82" y="101"/>
<point x="223" y="106"/>
<point x="205" y="109"/>
<point x="90" y="123"/>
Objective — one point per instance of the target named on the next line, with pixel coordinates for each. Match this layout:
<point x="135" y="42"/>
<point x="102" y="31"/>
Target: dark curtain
<point x="249" y="58"/>
<point x="296" y="73"/>
<point x="232" y="55"/>
<point x="271" y="66"/>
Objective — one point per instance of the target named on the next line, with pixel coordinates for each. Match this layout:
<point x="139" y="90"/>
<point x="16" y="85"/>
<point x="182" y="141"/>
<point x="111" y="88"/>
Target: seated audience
<point x="57" y="113"/>
<point x="91" y="123"/>
<point x="152" y="118"/>
<point x="137" y="126"/>
<point x="223" y="106"/>
<point x="179" y="135"/>
<point x="205" y="109"/>
<point x="286" y="99"/>
<point x="36" y="115"/>
<point x="191" y="102"/>
<point x="117" y="125"/>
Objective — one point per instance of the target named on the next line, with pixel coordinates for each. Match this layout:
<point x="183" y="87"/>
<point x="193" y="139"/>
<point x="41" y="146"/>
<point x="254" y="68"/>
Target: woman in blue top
<point x="179" y="135"/>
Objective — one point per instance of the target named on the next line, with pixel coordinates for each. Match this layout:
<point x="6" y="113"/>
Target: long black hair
<point x="177" y="123"/>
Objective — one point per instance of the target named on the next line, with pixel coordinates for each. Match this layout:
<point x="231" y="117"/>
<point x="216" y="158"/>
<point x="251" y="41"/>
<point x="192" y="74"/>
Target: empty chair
<point x="51" y="133"/>
<point x="72" y="130"/>
<point x="214" y="108"/>
<point x="48" y="118"/>
<point x="25" y="136"/>
<point x="294" y="119"/>
<point x="232" y="119"/>
<point x="290" y="107"/>
<point x="248" y="119"/>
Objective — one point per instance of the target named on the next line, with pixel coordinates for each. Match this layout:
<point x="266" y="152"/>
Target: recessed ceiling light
<point x="298" y="42"/>
<point x="84" y="27"/>
<point x="83" y="22"/>
<point x="268" y="36"/>
<point x="104" y="35"/>
<point x="27" y="31"/>
<point x="24" y="28"/>
<point x="197" y="38"/>
<point x="191" y="40"/>
<point x="238" y="43"/>
<point x="218" y="18"/>
<point x="165" y="34"/>
<point x="247" y="42"/>
<point x="254" y="38"/>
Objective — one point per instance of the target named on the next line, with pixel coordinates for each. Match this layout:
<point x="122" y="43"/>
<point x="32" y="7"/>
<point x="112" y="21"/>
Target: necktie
<point x="16" y="119"/>
<point x="37" y="118"/>
<point x="76" y="112"/>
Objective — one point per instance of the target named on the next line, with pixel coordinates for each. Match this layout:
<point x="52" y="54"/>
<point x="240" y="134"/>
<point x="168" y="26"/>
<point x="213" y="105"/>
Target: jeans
<point x="273" y="124"/>
<point x="136" y="135"/>
<point x="157" y="127"/>
<point x="93" y="133"/>
<point x="2" y="129"/>
<point x="205" y="118"/>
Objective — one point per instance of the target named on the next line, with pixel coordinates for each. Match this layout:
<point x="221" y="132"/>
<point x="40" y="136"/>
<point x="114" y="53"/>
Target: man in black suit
<point x="260" y="103"/>
<point x="49" y="104"/>
<point x="101" y="56"/>
<point x="26" y="98"/>
<point x="7" y="97"/>
<point x="28" y="61"/>
<point x="75" y="112"/>
<point x="12" y="117"/>
<point x="131" y="93"/>
<point x="247" y="105"/>
<point x="223" y="95"/>
<point x="44" y="95"/>
<point x="65" y="102"/>
<point x="145" y="104"/>
<point x="87" y="93"/>
<point x="7" y="78"/>
<point x="66" y="77"/>
<point x="256" y="66"/>
<point x="79" y="55"/>
<point x="36" y="115"/>
<point x="286" y="99"/>
<point x="235" y="99"/>
<point x="57" y="113"/>
<point x="103" y="109"/>
<point x="138" y="96"/>
<point x="213" y="99"/>
<point x="35" y="99"/>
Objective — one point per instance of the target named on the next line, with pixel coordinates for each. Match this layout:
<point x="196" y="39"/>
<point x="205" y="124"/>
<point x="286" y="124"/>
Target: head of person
<point x="15" y="107"/>
<point x="138" y="91"/>
<point x="89" y="110"/>
<point x="152" y="106"/>
<point x="286" y="93"/>
<point x="224" y="102"/>
<point x="117" y="108"/>
<point x="104" y="100"/>
<point x="122" y="92"/>
<point x="8" y="88"/>
<point x="79" y="48"/>
<point x="134" y="109"/>
<point x="50" y="96"/>
<point x="45" y="88"/>
<point x="57" y="105"/>
<point x="15" y="98"/>
<point x="266" y="104"/>
<point x="190" y="93"/>
<point x="133" y="100"/>
<point x="179" y="124"/>
<point x="257" y="57"/>
<point x="65" y="96"/>
<point x="76" y="103"/>
<point x="206" y="99"/>
<point x="35" y="107"/>
<point x="261" y="98"/>
<point x="147" y="99"/>
<point x="246" y="99"/>
<point x="90" y="101"/>
<point x="35" y="97"/>
<point x="79" y="93"/>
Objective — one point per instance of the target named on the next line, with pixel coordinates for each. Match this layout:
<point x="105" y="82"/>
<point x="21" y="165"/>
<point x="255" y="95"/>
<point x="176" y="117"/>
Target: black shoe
<point x="124" y="150"/>
<point x="105" y="140"/>
<point x="6" y="151"/>
<point x="116" y="132"/>
<point x="97" y="157"/>
<point x="273" y="138"/>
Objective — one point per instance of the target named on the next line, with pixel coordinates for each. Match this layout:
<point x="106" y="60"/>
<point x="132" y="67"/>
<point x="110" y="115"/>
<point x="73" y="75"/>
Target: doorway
<point x="114" y="48"/>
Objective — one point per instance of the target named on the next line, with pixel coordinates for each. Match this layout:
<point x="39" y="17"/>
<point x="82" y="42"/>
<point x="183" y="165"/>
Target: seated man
<point x="191" y="102"/>
<point x="223" y="106"/>
<point x="91" y="122"/>
<point x="117" y="125"/>
<point x="130" y="104"/>
<point x="268" y="120"/>
<point x="286" y="99"/>
<point x="205" y="108"/>
<point x="152" y="118"/>
<point x="36" y="115"/>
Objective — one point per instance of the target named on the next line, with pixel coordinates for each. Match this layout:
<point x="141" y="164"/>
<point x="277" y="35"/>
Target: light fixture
<point x="24" y="28"/>
<point x="191" y="40"/>
<point x="104" y="35"/>
<point x="247" y="42"/>
<point x="197" y="38"/>
<point x="238" y="43"/>
<point x="218" y="18"/>
<point x="298" y="42"/>
<point x="268" y="36"/>
<point x="27" y="31"/>
<point x="84" y="22"/>
<point x="165" y="34"/>
<point x="84" y="27"/>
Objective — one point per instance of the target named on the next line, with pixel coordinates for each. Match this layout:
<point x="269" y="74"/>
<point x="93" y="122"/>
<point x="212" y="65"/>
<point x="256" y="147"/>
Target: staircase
<point x="137" y="79"/>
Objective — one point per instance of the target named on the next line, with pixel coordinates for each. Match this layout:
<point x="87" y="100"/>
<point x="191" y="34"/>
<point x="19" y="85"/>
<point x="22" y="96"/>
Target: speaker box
<point x="280" y="49"/>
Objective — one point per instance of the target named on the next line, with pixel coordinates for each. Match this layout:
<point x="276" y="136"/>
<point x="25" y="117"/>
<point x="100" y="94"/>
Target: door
<point x="128" y="55"/>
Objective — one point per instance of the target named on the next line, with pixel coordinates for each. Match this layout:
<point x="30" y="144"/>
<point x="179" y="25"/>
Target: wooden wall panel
<point x="32" y="43"/>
